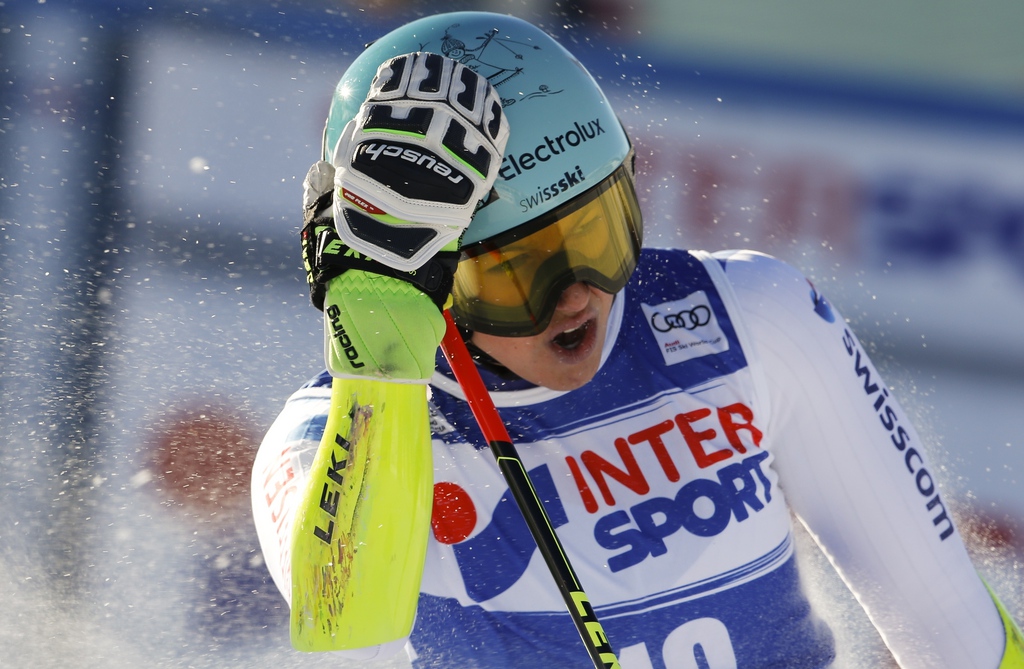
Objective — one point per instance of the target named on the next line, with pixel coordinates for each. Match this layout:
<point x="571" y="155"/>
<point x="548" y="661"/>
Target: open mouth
<point x="571" y="339"/>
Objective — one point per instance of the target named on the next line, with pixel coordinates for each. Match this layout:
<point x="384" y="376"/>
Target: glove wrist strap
<point x="434" y="277"/>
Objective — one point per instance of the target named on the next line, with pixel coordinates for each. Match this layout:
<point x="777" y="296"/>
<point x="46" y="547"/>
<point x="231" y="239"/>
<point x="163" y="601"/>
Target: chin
<point x="566" y="384"/>
<point x="563" y="377"/>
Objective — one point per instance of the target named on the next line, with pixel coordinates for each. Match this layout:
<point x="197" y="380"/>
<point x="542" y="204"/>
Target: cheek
<point x="602" y="301"/>
<point x="513" y="352"/>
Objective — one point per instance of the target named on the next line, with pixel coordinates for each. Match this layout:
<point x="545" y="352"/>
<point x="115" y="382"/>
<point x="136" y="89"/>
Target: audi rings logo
<point x="688" y="319"/>
<point x="686" y="328"/>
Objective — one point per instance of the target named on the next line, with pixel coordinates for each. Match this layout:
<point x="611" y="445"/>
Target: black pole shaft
<point x="512" y="468"/>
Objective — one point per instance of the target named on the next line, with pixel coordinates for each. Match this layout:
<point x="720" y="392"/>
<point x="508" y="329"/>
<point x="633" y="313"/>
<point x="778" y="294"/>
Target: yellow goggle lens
<point x="509" y="285"/>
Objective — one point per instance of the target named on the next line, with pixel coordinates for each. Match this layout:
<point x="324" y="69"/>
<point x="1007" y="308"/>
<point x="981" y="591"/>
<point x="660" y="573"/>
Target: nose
<point x="574" y="298"/>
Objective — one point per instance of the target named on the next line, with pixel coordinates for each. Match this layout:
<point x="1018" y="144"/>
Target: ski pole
<point x="529" y="503"/>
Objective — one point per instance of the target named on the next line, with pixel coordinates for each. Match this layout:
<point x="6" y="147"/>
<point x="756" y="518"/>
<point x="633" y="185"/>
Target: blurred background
<point x="155" y="318"/>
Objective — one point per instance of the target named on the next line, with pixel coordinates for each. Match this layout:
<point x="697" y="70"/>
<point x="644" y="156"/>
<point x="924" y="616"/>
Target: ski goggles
<point x="509" y="285"/>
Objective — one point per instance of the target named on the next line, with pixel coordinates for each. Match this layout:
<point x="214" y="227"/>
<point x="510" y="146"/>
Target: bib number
<point x="699" y="644"/>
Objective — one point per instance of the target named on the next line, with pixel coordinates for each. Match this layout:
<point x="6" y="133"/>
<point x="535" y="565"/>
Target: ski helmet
<point x="565" y="139"/>
<point x="565" y="135"/>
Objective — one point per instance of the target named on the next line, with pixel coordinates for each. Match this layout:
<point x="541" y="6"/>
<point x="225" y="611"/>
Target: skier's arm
<point x="857" y="474"/>
<point x="382" y="224"/>
<point x="279" y="475"/>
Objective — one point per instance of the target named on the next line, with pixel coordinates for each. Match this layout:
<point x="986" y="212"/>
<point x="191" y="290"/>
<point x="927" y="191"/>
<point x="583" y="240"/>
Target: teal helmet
<point x="565" y="136"/>
<point x="565" y="187"/>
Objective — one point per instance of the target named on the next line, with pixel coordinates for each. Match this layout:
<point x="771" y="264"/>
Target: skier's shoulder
<point x="744" y="272"/>
<point x="754" y="287"/>
<point x="748" y="269"/>
<point x="741" y="265"/>
<point x="315" y="387"/>
<point x="761" y="281"/>
<point x="320" y="381"/>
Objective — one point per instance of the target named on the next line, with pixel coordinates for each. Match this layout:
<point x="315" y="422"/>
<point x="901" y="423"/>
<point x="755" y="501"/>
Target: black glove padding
<point x="324" y="256"/>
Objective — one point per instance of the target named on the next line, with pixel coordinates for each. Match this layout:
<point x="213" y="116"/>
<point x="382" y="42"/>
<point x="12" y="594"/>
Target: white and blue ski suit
<point x="731" y="398"/>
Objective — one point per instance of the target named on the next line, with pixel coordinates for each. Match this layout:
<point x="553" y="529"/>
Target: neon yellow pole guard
<point x="360" y="534"/>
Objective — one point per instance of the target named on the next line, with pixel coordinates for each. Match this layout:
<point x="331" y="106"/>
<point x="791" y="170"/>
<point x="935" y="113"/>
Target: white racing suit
<point x="731" y="393"/>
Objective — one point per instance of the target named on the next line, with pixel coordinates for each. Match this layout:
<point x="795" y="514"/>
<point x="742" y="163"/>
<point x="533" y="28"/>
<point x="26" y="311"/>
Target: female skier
<point x="673" y="408"/>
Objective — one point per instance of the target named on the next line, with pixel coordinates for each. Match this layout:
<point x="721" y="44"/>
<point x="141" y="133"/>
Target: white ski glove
<point x="416" y="161"/>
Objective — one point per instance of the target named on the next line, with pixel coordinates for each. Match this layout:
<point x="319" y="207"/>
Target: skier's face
<point x="568" y="353"/>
